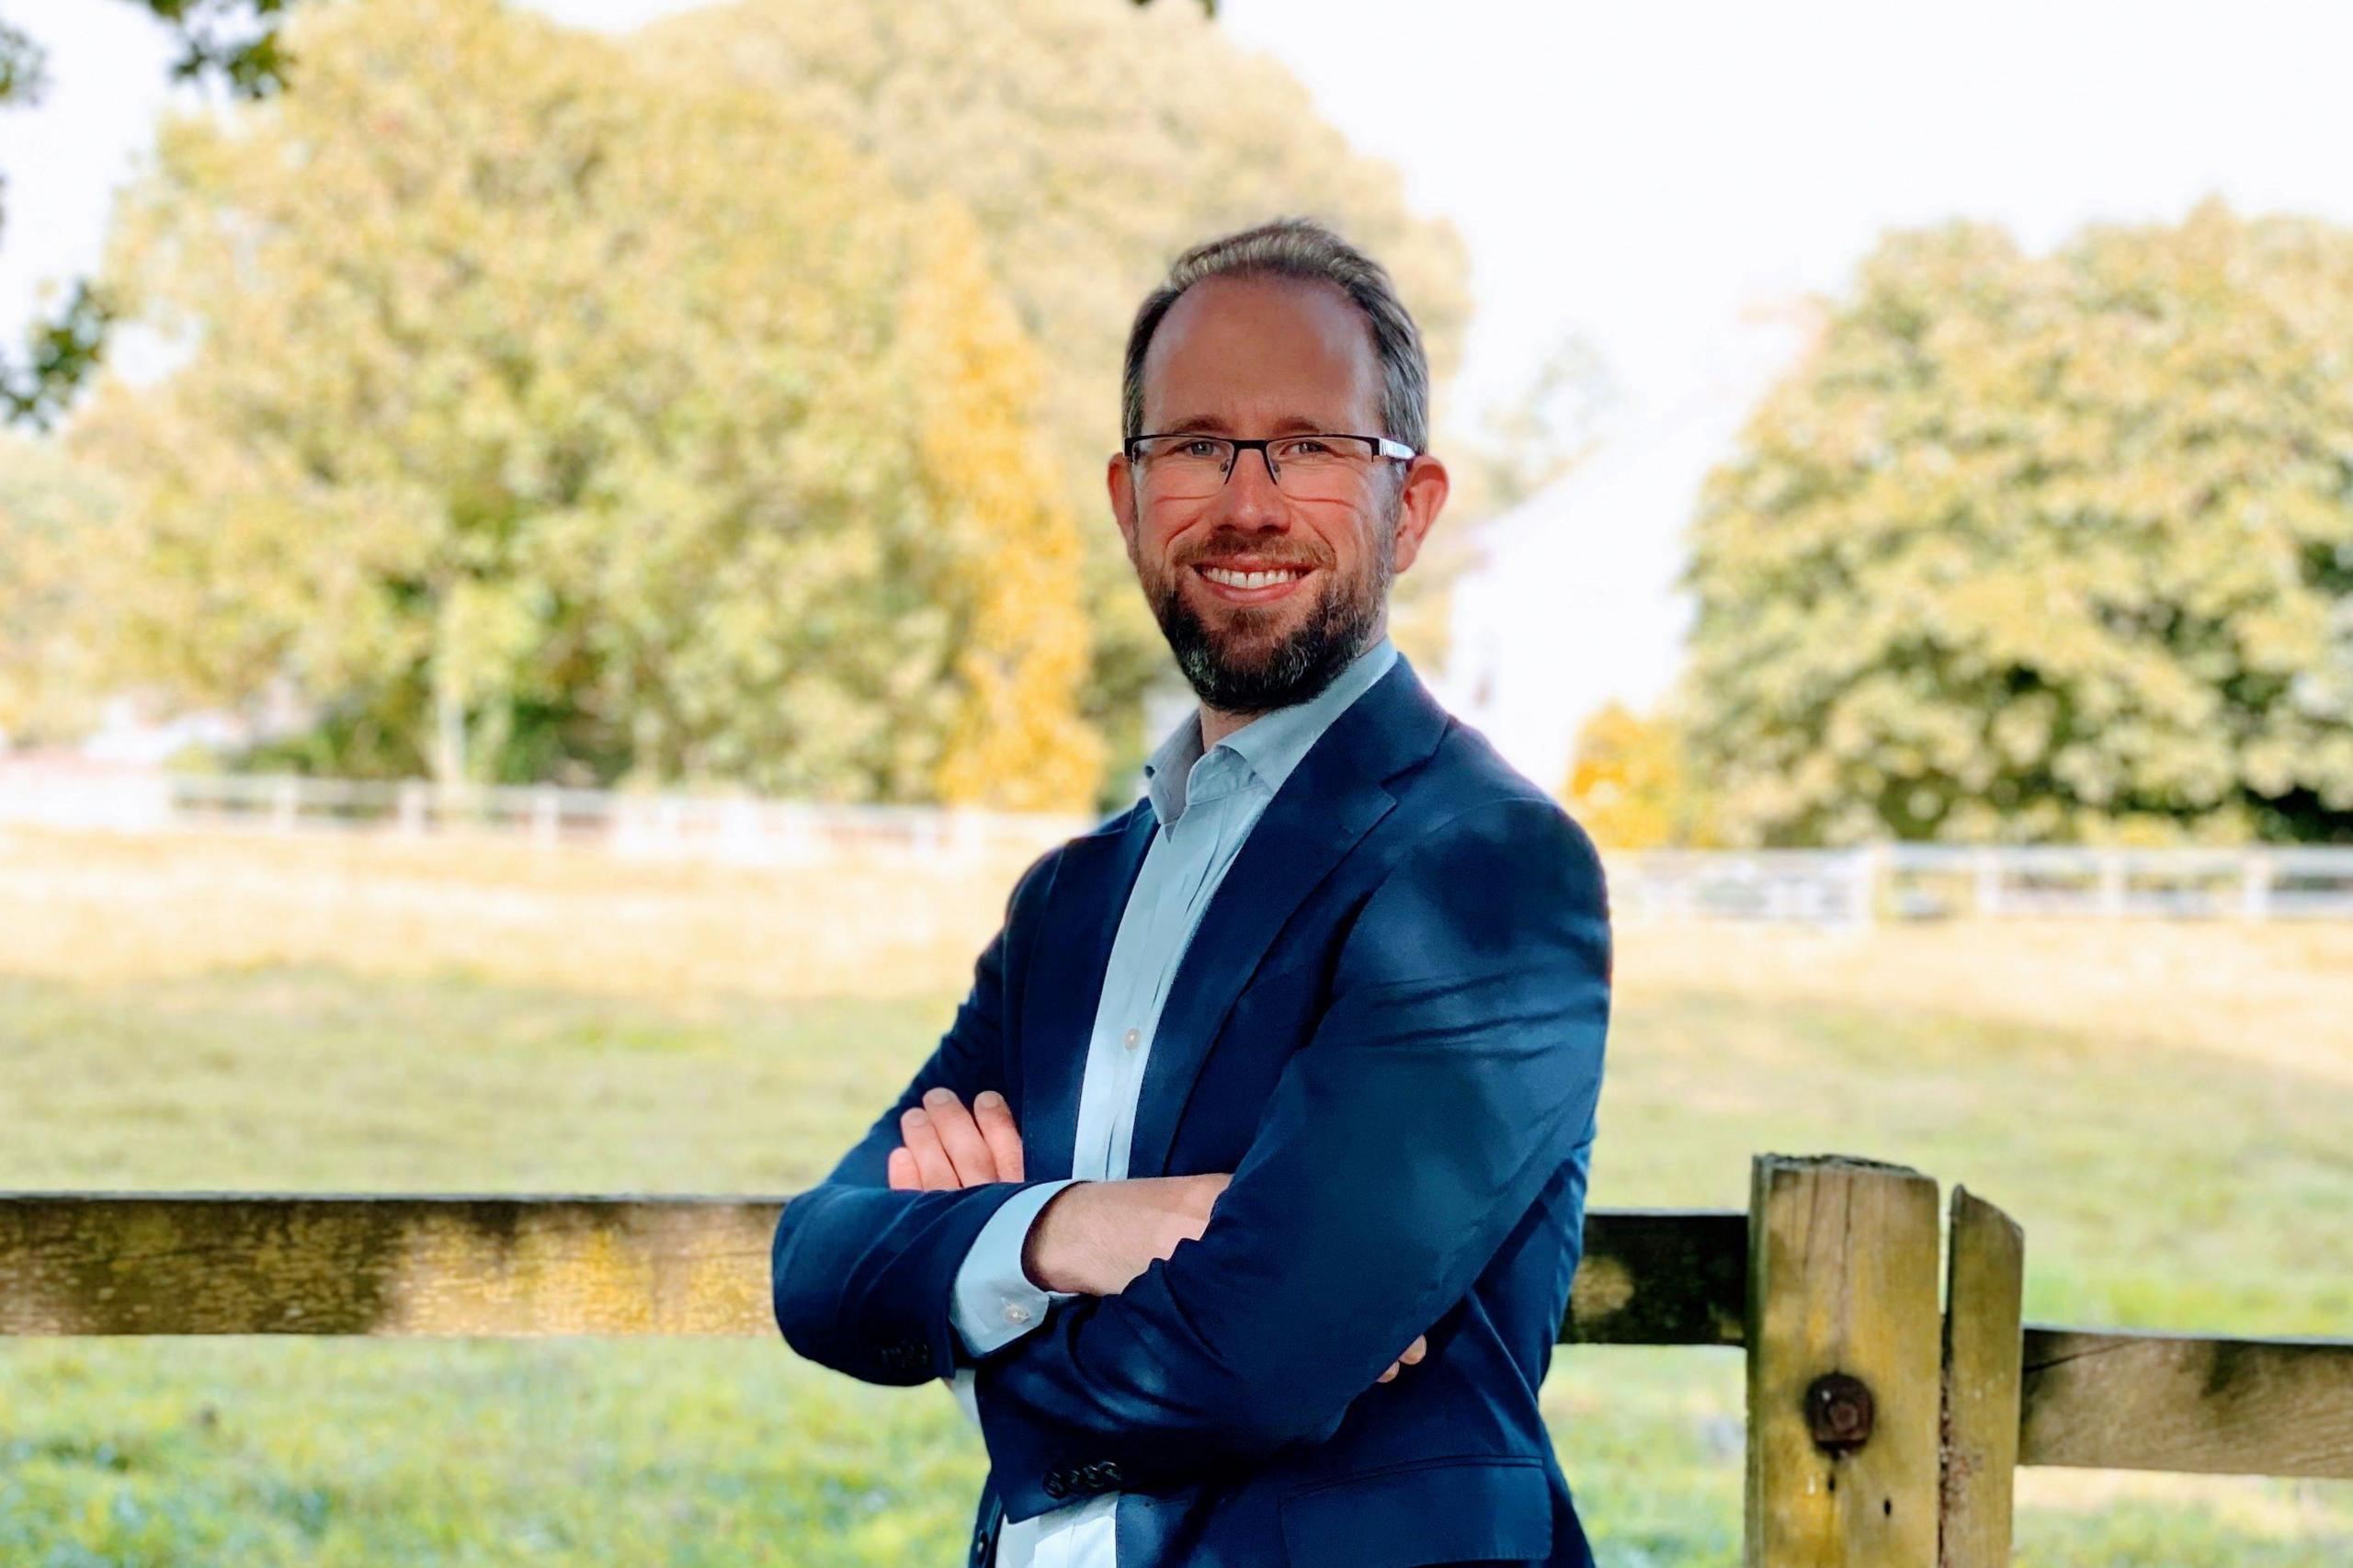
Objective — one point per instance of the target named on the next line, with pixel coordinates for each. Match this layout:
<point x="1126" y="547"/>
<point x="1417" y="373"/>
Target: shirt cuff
<point x="995" y="1302"/>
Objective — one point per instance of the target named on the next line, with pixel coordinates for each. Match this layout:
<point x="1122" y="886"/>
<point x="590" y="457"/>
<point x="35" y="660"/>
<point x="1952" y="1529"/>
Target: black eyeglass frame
<point x="1382" y="446"/>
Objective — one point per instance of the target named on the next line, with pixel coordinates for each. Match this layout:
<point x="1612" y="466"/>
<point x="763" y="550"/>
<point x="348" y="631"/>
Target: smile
<point x="1256" y="584"/>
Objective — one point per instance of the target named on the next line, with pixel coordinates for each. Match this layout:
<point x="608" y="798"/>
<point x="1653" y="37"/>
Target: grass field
<point x="2166" y="1109"/>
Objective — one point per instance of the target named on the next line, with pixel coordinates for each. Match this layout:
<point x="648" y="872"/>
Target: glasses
<point x="1321" y="467"/>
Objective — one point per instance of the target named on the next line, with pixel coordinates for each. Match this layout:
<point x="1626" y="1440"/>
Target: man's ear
<point x="1119" y="478"/>
<point x="1426" y="489"/>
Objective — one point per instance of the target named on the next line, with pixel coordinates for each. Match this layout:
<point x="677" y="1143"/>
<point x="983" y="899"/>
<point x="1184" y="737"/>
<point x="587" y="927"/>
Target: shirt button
<point x="1131" y="1038"/>
<point x="1015" y="1312"/>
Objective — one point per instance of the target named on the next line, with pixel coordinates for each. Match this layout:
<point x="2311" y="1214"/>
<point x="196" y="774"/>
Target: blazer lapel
<point x="1064" y="983"/>
<point x="1331" y="799"/>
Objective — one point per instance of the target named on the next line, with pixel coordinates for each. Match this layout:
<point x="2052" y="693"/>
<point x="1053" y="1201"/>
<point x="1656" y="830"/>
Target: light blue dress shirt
<point x="1206" y="806"/>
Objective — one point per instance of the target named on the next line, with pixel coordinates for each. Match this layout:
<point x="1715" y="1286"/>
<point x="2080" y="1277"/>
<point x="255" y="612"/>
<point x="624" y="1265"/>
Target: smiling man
<point x="1240" y="1201"/>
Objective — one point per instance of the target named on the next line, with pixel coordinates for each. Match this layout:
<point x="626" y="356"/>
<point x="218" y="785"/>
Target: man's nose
<point x="1250" y="497"/>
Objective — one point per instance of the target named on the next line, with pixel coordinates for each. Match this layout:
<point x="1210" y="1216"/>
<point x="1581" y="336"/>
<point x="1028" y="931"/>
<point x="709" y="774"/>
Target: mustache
<point x="1235" y="545"/>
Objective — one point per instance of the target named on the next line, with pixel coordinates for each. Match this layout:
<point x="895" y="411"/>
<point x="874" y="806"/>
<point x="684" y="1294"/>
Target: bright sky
<point x="1634" y="174"/>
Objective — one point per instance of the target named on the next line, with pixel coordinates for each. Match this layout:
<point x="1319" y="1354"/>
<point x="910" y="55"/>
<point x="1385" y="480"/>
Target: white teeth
<point x="1247" y="579"/>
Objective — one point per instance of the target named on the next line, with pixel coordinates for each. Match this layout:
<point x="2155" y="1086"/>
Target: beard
<point x="1230" y="670"/>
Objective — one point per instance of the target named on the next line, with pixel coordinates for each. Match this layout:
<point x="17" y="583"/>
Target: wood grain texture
<point x="1984" y="1285"/>
<point x="2124" y="1401"/>
<point x="1842" y="1280"/>
<point x="1660" y="1277"/>
<point x="530" y="1264"/>
<point x="231" y="1263"/>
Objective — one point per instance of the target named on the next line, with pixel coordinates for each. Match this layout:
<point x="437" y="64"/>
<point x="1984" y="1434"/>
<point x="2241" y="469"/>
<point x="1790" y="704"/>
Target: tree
<point x="1628" y="787"/>
<point x="1022" y="649"/>
<point x="1091" y="143"/>
<point x="233" y="42"/>
<point x="53" y="514"/>
<point x="2055" y="548"/>
<point x="543" y="420"/>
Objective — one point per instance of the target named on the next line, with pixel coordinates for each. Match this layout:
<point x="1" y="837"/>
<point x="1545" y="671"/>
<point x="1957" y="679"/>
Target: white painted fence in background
<point x="1822" y="887"/>
<point x="737" y="829"/>
<point x="1922" y="881"/>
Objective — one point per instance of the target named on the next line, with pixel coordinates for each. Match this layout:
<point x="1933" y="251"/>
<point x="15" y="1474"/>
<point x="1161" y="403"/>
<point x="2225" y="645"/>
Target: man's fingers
<point x="1412" y="1356"/>
<point x="902" y="1170"/>
<point x="998" y="1132"/>
<point x="968" y="1152"/>
<point x="921" y="1140"/>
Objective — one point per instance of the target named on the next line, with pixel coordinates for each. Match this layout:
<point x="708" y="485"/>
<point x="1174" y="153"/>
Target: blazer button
<point x="1056" y="1484"/>
<point x="1110" y="1474"/>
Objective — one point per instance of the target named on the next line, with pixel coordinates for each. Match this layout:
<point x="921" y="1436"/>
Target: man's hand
<point x="1094" y="1237"/>
<point x="944" y="1147"/>
<point x="1414" y="1352"/>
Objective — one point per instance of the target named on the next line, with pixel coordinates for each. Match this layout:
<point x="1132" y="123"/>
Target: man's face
<point x="1260" y="356"/>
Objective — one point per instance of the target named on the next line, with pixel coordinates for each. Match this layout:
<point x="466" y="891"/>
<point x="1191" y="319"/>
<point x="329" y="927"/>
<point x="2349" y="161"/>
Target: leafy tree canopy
<point x="52" y="514"/>
<point x="232" y="42"/>
<point x="2044" y="548"/>
<point x="1091" y="143"/>
<point x="1628" y="785"/>
<point x="541" y="419"/>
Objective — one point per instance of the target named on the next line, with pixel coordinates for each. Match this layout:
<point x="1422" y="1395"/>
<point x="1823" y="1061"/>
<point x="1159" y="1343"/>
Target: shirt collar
<point x="1270" y="745"/>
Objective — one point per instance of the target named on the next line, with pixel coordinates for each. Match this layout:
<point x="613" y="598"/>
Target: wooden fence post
<point x="1984" y="1287"/>
<point x="2254" y="884"/>
<point x="2111" y="882"/>
<point x="412" y="809"/>
<point x="1844" y="1385"/>
<point x="1988" y="883"/>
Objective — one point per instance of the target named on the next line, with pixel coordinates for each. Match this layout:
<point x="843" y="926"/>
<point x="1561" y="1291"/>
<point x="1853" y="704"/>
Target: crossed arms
<point x="1089" y="1243"/>
<point x="1456" y="1065"/>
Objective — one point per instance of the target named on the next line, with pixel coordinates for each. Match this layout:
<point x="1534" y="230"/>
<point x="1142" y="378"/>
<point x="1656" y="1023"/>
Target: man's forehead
<point x="1272" y="352"/>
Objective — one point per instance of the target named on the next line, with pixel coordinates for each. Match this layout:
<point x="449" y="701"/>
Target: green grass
<point x="2158" y="1188"/>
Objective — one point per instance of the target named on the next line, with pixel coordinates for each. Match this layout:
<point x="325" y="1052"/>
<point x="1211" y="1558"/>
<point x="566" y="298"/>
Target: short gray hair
<point x="1303" y="248"/>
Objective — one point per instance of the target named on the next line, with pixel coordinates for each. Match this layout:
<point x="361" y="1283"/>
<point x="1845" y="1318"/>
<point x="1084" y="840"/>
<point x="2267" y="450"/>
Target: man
<point x="1242" y="1198"/>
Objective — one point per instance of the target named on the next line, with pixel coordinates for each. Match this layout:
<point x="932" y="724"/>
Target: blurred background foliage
<point x="728" y="404"/>
<point x="1630" y="785"/>
<point x="542" y="418"/>
<point x="231" y="42"/>
<point x="1091" y="142"/>
<point x="50" y="506"/>
<point x="719" y="403"/>
<point x="2044" y="548"/>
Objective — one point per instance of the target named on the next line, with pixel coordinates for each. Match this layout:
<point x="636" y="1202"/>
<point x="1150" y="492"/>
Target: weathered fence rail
<point x="1884" y="1426"/>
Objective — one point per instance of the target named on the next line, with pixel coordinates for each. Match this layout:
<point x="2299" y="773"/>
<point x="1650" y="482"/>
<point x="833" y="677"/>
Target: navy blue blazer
<point x="1389" y="1026"/>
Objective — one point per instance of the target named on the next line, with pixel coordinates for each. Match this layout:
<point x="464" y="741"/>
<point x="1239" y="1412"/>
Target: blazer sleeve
<point x="862" y="1277"/>
<point x="1456" y="1067"/>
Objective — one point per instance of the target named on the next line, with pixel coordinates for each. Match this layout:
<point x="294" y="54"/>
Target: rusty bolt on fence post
<point x="1838" y="1412"/>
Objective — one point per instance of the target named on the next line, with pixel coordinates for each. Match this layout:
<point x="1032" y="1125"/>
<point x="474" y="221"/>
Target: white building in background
<point x="1574" y="603"/>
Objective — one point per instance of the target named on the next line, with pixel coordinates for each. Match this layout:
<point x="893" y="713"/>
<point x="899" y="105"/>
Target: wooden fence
<point x="1883" y="1429"/>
